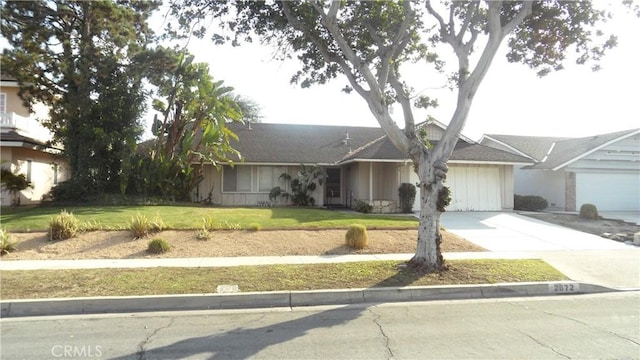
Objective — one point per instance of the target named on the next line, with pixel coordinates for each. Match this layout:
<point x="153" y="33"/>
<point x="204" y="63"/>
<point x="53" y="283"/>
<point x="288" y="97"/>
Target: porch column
<point x="370" y="183"/>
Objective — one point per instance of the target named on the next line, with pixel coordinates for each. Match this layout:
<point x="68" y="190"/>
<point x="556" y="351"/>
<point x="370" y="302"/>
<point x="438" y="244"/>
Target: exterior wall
<point x="546" y="183"/>
<point x="43" y="174"/>
<point x="506" y="186"/>
<point x="14" y="103"/>
<point x="213" y="183"/>
<point x="381" y="178"/>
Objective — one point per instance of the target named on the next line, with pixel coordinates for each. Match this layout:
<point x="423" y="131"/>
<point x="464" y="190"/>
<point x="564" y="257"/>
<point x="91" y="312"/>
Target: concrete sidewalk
<point x="232" y="261"/>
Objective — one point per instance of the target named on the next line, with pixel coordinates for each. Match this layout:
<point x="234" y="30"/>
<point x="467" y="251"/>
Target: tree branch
<point x="326" y="55"/>
<point x="525" y="11"/>
<point x="375" y="98"/>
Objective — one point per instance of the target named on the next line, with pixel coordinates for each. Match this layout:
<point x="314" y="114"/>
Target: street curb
<point x="126" y="304"/>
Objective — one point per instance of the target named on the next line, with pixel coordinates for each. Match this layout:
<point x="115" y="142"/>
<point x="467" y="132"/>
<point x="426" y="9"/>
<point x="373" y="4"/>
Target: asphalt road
<point x="560" y="327"/>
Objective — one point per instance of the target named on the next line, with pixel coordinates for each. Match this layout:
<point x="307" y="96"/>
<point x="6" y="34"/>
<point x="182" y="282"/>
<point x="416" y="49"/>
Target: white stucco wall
<point x="546" y="183"/>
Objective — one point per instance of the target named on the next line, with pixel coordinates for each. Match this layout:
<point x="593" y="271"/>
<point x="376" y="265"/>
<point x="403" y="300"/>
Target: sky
<point x="512" y="99"/>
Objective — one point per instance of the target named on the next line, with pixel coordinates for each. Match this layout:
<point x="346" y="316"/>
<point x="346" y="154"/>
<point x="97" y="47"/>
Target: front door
<point x="332" y="188"/>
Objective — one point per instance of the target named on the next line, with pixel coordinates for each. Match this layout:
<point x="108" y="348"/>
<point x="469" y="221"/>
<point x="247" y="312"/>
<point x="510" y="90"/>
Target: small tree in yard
<point x="369" y="42"/>
<point x="14" y="183"/>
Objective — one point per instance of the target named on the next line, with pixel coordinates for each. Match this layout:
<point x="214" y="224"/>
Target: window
<point x="55" y="174"/>
<point x="29" y="166"/>
<point x="236" y="179"/>
<point x="3" y="102"/>
<point x="269" y="177"/>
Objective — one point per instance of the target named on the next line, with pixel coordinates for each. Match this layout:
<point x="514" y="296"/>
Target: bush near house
<point x="363" y="207"/>
<point x="407" y="194"/>
<point x="529" y="203"/>
<point x="589" y="211"/>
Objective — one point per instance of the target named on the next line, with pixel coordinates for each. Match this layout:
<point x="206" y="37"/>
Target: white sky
<point x="511" y="100"/>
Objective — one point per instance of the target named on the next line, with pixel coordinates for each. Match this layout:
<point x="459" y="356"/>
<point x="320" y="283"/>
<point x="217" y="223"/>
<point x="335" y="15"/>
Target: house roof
<point x="14" y="139"/>
<point x="555" y="153"/>
<point x="327" y="145"/>
<point x="531" y="146"/>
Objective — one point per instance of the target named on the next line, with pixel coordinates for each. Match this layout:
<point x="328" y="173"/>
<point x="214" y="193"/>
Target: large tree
<point x="369" y="42"/>
<point x="80" y="58"/>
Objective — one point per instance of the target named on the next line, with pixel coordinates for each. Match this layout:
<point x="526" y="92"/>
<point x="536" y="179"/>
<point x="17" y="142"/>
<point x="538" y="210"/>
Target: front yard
<point x="189" y="217"/>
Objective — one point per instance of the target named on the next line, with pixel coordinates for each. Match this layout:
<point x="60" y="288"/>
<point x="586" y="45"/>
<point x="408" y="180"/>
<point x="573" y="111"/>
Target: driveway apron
<point x="580" y="256"/>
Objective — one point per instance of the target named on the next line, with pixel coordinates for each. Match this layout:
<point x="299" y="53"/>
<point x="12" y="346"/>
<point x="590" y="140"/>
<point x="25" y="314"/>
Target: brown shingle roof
<point x="321" y="144"/>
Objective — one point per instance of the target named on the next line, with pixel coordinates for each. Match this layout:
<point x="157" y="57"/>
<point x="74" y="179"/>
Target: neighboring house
<point x="360" y="163"/>
<point x="23" y="149"/>
<point x="603" y="170"/>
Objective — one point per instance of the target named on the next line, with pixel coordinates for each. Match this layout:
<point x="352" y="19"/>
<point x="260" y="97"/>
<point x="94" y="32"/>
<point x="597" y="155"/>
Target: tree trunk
<point x="428" y="257"/>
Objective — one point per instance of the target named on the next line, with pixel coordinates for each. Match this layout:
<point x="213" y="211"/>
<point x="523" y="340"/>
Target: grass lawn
<point x="185" y="217"/>
<point x="155" y="281"/>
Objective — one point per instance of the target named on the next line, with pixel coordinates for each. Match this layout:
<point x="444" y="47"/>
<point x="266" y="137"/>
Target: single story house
<point x="360" y="163"/>
<point x="603" y="170"/>
<point x="23" y="147"/>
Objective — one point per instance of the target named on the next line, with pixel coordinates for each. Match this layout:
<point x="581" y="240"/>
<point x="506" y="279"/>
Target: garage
<point x="609" y="192"/>
<point x="473" y="188"/>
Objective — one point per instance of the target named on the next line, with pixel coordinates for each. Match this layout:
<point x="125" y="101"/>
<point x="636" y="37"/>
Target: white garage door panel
<point x="474" y="188"/>
<point x="609" y="192"/>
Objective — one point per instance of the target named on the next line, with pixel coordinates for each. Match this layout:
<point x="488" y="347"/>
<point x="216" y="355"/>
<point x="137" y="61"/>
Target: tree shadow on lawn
<point x="242" y="343"/>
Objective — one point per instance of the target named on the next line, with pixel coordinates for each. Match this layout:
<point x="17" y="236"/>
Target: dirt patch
<point x="121" y="245"/>
<point x="595" y="227"/>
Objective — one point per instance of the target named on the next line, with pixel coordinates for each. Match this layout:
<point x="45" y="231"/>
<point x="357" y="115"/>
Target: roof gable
<point x="554" y="153"/>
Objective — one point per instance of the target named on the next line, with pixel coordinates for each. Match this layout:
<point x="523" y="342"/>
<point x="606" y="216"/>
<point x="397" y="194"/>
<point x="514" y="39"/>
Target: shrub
<point x="6" y="244"/>
<point x="158" y="246"/>
<point x="529" y="203"/>
<point x="589" y="211"/>
<point x="203" y="234"/>
<point x="363" y="207"/>
<point x="356" y="236"/>
<point x="407" y="194"/>
<point x="142" y="226"/>
<point x="63" y="226"/>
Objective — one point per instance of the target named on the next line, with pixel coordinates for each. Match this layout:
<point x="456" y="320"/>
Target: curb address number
<point x="564" y="288"/>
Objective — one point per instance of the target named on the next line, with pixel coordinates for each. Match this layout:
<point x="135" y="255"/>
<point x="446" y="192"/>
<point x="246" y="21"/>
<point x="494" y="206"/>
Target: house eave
<point x="483" y="162"/>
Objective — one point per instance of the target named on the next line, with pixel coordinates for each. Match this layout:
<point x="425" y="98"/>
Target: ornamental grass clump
<point x="589" y="211"/>
<point x="158" y="246"/>
<point x="63" y="226"/>
<point x="6" y="243"/>
<point x="142" y="226"/>
<point x="356" y="236"/>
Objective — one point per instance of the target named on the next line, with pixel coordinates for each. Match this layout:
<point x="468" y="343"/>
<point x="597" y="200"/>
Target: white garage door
<point x="473" y="188"/>
<point x="608" y="192"/>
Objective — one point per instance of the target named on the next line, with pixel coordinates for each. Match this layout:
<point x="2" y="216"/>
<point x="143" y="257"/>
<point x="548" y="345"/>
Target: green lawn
<point x="26" y="219"/>
<point x="156" y="281"/>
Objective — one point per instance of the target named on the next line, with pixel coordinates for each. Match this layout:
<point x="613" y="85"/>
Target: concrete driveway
<point x="580" y="256"/>
<point x="499" y="231"/>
